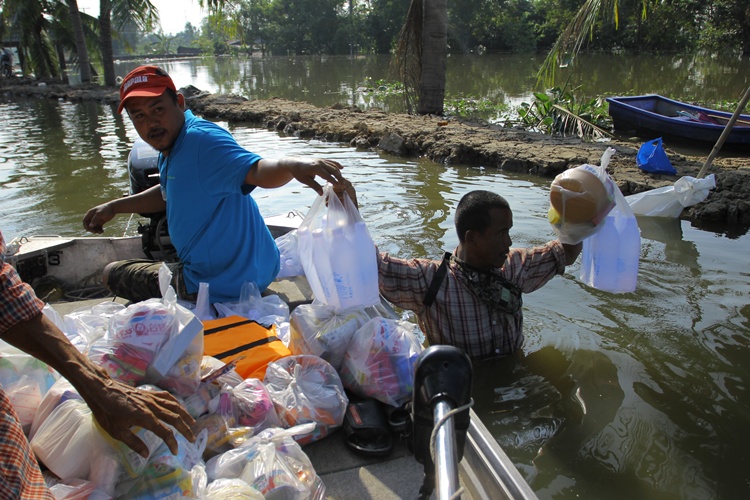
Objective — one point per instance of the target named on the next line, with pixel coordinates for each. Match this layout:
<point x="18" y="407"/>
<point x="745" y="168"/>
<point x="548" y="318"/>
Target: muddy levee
<point x="452" y="141"/>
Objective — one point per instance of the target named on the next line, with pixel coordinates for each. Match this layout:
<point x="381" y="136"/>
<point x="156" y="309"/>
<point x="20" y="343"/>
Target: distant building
<point x="188" y="51"/>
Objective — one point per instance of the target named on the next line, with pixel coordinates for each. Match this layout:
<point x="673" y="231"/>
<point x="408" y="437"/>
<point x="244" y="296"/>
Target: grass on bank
<point x="558" y="111"/>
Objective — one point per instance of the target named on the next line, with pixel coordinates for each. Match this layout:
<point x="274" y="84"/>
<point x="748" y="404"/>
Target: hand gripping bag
<point x="338" y="254"/>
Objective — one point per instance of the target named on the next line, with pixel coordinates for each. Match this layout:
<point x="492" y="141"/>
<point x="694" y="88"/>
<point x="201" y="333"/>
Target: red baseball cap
<point x="144" y="81"/>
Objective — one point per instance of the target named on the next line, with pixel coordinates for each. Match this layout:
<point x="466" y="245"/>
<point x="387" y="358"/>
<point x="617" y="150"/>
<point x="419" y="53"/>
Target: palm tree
<point x="27" y="19"/>
<point x="421" y="53"/>
<point x="139" y="13"/>
<point x="84" y="63"/>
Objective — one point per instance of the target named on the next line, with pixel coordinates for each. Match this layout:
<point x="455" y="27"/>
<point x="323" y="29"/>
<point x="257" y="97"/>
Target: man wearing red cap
<point x="205" y="178"/>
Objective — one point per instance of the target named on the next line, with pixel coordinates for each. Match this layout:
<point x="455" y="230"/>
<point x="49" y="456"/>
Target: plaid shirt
<point x="20" y="476"/>
<point x="457" y="317"/>
<point x="17" y="299"/>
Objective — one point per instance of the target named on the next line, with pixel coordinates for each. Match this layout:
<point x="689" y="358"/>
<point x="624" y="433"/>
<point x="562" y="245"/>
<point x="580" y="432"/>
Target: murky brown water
<point x="640" y="395"/>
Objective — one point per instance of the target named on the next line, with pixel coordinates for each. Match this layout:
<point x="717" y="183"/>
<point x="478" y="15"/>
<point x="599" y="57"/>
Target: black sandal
<point x="366" y="429"/>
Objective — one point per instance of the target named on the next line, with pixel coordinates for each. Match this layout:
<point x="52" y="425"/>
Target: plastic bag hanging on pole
<point x="669" y="201"/>
<point x="338" y="254"/>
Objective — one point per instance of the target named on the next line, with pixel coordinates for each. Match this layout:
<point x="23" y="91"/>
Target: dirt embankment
<point x="727" y="209"/>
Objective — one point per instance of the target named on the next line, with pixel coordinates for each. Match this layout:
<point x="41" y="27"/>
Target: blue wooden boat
<point x="651" y="116"/>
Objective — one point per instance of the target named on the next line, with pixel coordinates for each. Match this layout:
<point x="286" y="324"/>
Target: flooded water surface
<point x="638" y="395"/>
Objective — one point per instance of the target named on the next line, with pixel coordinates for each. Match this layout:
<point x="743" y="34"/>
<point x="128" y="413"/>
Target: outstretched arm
<point x="272" y="173"/>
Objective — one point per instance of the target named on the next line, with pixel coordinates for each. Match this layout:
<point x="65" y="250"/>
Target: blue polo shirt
<point x="214" y="223"/>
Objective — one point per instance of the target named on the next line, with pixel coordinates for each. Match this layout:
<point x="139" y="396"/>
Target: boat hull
<point x="651" y="116"/>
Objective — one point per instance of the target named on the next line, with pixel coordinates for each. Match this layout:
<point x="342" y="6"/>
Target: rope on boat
<point x="92" y="292"/>
<point x="89" y="288"/>
<point x="127" y="226"/>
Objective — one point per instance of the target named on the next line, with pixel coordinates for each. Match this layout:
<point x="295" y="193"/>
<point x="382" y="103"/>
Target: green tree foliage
<point x="383" y="22"/>
<point x="727" y="26"/>
<point x="281" y="27"/>
<point x="303" y="26"/>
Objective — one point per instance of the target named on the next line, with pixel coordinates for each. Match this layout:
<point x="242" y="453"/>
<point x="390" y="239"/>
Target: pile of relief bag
<point x="250" y="429"/>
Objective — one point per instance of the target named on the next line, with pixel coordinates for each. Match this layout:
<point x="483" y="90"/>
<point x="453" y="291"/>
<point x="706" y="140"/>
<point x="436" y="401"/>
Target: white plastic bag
<point x="231" y="489"/>
<point x="155" y="341"/>
<point x="25" y="380"/>
<point x="162" y="475"/>
<point x="609" y="260"/>
<point x="252" y="305"/>
<point x="669" y="201"/>
<point x="272" y="463"/>
<point x="71" y="445"/>
<point x="338" y="254"/>
<point x="291" y="265"/>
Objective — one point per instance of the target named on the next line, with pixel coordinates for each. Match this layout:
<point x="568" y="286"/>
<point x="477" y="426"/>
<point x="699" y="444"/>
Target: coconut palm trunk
<point x="83" y="54"/>
<point x="434" y="50"/>
<point x="105" y="41"/>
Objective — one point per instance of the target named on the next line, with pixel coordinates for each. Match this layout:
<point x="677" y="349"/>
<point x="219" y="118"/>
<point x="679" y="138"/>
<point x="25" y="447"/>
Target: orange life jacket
<point x="232" y="337"/>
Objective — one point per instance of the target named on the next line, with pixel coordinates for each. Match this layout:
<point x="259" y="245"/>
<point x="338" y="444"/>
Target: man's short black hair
<point x="473" y="211"/>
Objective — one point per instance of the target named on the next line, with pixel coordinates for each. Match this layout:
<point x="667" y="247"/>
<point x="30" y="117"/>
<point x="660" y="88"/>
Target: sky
<point x="172" y="13"/>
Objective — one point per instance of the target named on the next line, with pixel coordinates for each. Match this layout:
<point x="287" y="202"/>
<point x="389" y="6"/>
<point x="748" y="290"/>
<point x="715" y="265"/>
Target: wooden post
<point x="725" y="133"/>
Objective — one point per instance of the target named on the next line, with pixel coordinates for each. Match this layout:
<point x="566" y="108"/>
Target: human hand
<point x="348" y="188"/>
<point x="306" y="169"/>
<point x="95" y="218"/>
<point x="117" y="407"/>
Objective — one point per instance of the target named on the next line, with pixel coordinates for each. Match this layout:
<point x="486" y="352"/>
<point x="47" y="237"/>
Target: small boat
<point x="652" y="116"/>
<point x="70" y="269"/>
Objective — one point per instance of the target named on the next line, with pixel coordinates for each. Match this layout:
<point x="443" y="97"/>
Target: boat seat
<point x="38" y="245"/>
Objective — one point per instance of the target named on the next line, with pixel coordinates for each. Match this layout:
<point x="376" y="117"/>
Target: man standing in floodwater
<point x="472" y="299"/>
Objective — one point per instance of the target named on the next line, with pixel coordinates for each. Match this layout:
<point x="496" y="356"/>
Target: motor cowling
<point x="143" y="171"/>
<point x="143" y="167"/>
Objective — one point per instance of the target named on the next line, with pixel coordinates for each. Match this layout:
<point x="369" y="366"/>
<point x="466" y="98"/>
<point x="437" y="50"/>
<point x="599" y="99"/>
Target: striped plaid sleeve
<point x="531" y="268"/>
<point x="18" y="302"/>
<point x="20" y="476"/>
<point x="403" y="282"/>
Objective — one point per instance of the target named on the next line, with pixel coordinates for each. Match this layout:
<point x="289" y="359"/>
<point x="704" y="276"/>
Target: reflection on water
<point x="639" y="395"/>
<point x="501" y="78"/>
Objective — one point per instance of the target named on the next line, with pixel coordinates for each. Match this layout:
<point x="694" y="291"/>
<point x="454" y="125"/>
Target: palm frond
<point x="571" y="39"/>
<point x="571" y="124"/>
<point x="141" y="13"/>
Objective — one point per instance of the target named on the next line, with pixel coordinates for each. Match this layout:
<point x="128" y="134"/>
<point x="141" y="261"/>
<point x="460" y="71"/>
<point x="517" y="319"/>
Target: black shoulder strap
<point x="437" y="280"/>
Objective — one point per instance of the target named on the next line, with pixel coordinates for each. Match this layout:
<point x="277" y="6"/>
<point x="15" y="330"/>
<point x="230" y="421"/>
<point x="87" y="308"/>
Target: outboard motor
<point x="440" y="412"/>
<point x="144" y="173"/>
